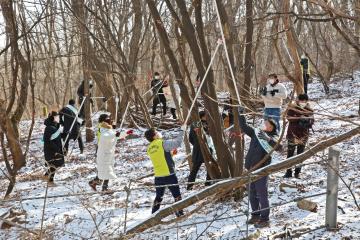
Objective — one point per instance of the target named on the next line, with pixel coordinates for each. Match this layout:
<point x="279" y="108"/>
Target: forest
<point x="246" y="111"/>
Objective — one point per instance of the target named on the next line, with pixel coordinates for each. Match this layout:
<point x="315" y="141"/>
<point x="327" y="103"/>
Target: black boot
<point x="288" y="174"/>
<point x="156" y="205"/>
<point x="105" y="185"/>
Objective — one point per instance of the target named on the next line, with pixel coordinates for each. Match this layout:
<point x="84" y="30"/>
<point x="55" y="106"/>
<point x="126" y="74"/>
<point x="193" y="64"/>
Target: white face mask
<point x="271" y="80"/>
<point x="302" y="104"/>
<point x="159" y="135"/>
<point x="157" y="77"/>
<point x="57" y="119"/>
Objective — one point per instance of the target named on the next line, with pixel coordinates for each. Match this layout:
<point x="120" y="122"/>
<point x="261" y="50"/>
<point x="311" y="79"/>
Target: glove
<point x="272" y="92"/>
<point x="264" y="136"/>
<point x="174" y="152"/>
<point x="61" y="129"/>
<point x="241" y="110"/>
<point x="183" y="127"/>
<point x="263" y="91"/>
<point x="129" y="132"/>
<point x="117" y="134"/>
<point x="114" y="126"/>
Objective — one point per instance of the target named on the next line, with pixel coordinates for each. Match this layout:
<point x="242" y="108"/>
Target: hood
<point x="49" y="122"/>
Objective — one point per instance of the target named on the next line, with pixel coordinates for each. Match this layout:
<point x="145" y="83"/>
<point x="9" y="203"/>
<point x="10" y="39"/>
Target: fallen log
<point x="228" y="184"/>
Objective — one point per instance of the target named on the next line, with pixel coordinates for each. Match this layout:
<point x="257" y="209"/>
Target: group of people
<point x="63" y="126"/>
<point x="263" y="141"/>
<point x="60" y="128"/>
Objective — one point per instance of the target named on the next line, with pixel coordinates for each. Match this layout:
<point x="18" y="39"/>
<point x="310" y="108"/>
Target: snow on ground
<point x="74" y="211"/>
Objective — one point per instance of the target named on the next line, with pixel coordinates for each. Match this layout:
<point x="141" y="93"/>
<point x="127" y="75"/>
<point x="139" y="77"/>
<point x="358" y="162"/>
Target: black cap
<point x="71" y="102"/>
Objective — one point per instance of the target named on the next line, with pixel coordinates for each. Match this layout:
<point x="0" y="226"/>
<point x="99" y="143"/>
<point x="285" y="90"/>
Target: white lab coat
<point x="105" y="157"/>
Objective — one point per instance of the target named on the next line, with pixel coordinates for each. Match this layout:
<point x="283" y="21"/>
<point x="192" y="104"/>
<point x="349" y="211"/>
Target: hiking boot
<point x="262" y="223"/>
<point x="254" y="219"/>
<point x="93" y="184"/>
<point x="297" y="172"/>
<point x="288" y="174"/>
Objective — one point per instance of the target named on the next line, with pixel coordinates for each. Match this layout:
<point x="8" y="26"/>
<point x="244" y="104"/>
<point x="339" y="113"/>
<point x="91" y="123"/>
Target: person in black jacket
<point x="157" y="86"/>
<point x="197" y="157"/>
<point x="68" y="115"/>
<point x="52" y="145"/>
<point x="262" y="143"/>
<point x="81" y="94"/>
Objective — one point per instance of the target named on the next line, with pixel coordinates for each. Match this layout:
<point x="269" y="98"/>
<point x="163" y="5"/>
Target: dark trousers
<point x="81" y="110"/>
<point x="173" y="113"/>
<point x="193" y="173"/>
<point x="306" y="81"/>
<point x="160" y="190"/>
<point x="80" y="142"/>
<point x="258" y="194"/>
<point x="160" y="98"/>
<point x="291" y="151"/>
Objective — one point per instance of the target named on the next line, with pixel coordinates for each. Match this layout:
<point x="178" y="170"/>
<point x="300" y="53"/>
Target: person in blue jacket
<point x="262" y="143"/>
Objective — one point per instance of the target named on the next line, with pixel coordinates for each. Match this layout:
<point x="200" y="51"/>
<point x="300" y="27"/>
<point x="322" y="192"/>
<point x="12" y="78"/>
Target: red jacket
<point x="300" y="122"/>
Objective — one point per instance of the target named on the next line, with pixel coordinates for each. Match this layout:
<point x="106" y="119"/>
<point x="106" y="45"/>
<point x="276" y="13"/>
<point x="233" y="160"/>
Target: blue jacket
<point x="256" y="150"/>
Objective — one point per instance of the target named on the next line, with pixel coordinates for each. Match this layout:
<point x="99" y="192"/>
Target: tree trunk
<point x="248" y="48"/>
<point x="298" y="85"/>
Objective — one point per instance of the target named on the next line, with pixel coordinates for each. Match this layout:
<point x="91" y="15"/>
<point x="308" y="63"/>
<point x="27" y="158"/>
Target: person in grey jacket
<point x="262" y="143"/>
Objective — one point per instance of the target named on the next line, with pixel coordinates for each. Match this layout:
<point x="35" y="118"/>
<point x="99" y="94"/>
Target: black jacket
<point x="157" y="86"/>
<point x="256" y="152"/>
<point x="52" y="144"/>
<point x="66" y="119"/>
<point x="196" y="155"/>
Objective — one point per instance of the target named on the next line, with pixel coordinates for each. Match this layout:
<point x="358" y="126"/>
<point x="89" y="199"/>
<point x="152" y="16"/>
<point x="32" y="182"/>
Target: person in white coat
<point x="273" y="95"/>
<point x="171" y="102"/>
<point x="105" y="156"/>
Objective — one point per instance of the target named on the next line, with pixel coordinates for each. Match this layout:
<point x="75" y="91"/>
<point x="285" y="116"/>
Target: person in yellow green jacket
<point x="159" y="152"/>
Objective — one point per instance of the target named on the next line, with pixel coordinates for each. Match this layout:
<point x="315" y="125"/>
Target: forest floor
<point x="74" y="211"/>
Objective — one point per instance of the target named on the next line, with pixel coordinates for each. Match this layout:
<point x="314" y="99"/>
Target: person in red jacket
<point x="301" y="119"/>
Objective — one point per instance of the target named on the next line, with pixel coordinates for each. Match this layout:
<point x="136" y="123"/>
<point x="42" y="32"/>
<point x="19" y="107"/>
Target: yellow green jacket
<point x="159" y="152"/>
